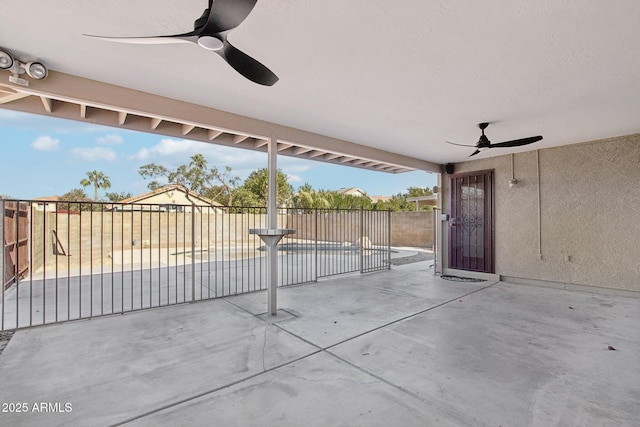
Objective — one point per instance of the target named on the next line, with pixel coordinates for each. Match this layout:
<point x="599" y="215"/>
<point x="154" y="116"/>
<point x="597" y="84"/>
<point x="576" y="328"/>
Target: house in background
<point x="46" y="203"/>
<point x="170" y="198"/>
<point x="353" y="191"/>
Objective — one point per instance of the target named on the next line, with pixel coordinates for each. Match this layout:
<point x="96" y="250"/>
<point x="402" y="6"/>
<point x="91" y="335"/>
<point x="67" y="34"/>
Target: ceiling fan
<point x="484" y="143"/>
<point x="210" y="32"/>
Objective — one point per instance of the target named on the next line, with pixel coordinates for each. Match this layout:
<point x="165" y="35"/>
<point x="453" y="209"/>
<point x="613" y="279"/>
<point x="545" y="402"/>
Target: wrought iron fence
<point x="93" y="259"/>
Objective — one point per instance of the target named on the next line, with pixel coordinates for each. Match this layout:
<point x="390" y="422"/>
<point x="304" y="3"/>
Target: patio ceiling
<point x="393" y="78"/>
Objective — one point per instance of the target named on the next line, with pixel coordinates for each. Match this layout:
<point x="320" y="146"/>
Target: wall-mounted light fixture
<point x="34" y="69"/>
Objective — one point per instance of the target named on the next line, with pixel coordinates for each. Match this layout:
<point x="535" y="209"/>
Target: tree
<point x="397" y="203"/>
<point x="98" y="179"/>
<point x="76" y="200"/>
<point x="308" y="198"/>
<point x="339" y="200"/>
<point x="254" y="190"/>
<point x="116" y="197"/>
<point x="418" y="191"/>
<point x="195" y="176"/>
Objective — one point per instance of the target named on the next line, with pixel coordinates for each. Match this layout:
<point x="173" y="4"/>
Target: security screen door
<point x="471" y="221"/>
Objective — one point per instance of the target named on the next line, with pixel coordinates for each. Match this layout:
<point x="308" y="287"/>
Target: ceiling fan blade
<point x="225" y="15"/>
<point x="247" y="66"/>
<point x="474" y="153"/>
<point x="517" y="142"/>
<point x="177" y="38"/>
<point x="461" y="145"/>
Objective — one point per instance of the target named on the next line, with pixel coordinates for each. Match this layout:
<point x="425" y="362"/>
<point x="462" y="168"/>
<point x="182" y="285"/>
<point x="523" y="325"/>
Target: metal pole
<point x="315" y="245"/>
<point x="272" y="220"/>
<point x="193" y="252"/>
<point x="435" y="240"/>
<point x="16" y="225"/>
<point x="389" y="239"/>
<point x="361" y="246"/>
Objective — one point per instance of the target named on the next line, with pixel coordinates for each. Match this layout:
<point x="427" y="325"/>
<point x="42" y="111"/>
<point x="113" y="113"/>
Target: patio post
<point x="272" y="223"/>
<point x="193" y="251"/>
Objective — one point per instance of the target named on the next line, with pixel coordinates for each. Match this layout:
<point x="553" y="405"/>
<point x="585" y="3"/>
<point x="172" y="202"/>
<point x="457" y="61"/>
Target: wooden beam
<point x="282" y="146"/>
<point x="237" y="139"/>
<point x="155" y="122"/>
<point x="301" y="150"/>
<point x="260" y="143"/>
<point x="83" y="111"/>
<point x="12" y="97"/>
<point x="47" y="103"/>
<point x="361" y="162"/>
<point x="187" y="128"/>
<point x="122" y="117"/>
<point x="213" y="134"/>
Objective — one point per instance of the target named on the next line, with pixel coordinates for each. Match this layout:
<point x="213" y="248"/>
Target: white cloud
<point x="168" y="147"/>
<point x="293" y="178"/>
<point x="173" y="152"/>
<point x="296" y="168"/>
<point x="45" y="143"/>
<point x="95" y="153"/>
<point x="112" y="139"/>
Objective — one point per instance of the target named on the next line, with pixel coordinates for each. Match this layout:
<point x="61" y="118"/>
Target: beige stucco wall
<point x="590" y="216"/>
<point x="407" y="228"/>
<point x="412" y="229"/>
<point x="90" y="238"/>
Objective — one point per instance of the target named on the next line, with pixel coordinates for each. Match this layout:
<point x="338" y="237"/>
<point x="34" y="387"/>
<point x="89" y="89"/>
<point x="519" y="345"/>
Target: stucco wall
<point x="407" y="228"/>
<point x="590" y="213"/>
<point x="412" y="229"/>
<point x="90" y="238"/>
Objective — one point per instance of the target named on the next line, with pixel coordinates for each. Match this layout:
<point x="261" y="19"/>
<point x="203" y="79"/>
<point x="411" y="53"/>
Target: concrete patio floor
<point x="396" y="348"/>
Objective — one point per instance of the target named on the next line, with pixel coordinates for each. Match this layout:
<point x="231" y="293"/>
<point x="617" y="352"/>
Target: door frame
<point x="489" y="215"/>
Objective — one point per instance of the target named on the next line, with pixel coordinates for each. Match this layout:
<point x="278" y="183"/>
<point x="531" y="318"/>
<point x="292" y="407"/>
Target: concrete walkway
<point x="396" y="348"/>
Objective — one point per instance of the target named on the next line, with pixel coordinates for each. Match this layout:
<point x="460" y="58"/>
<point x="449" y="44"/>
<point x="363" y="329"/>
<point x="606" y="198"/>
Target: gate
<point x="15" y="227"/>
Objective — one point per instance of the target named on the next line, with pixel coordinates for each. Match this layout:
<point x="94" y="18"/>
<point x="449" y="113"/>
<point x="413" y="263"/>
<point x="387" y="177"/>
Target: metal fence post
<point x="389" y="239"/>
<point x="193" y="252"/>
<point x="315" y="245"/>
<point x="361" y="245"/>
<point x="16" y="224"/>
<point x="434" y="246"/>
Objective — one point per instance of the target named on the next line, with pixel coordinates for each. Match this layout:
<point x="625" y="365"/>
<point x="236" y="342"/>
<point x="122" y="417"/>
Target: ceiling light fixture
<point x="34" y="69"/>
<point x="6" y="60"/>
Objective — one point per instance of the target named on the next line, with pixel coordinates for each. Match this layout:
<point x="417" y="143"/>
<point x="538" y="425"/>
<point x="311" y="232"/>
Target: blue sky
<point x="44" y="156"/>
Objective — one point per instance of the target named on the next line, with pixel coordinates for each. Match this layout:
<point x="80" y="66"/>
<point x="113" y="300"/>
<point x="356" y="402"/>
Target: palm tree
<point x="98" y="179"/>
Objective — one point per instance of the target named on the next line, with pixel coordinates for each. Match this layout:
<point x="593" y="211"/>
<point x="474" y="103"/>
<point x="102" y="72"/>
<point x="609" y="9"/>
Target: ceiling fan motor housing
<point x="483" y="142"/>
